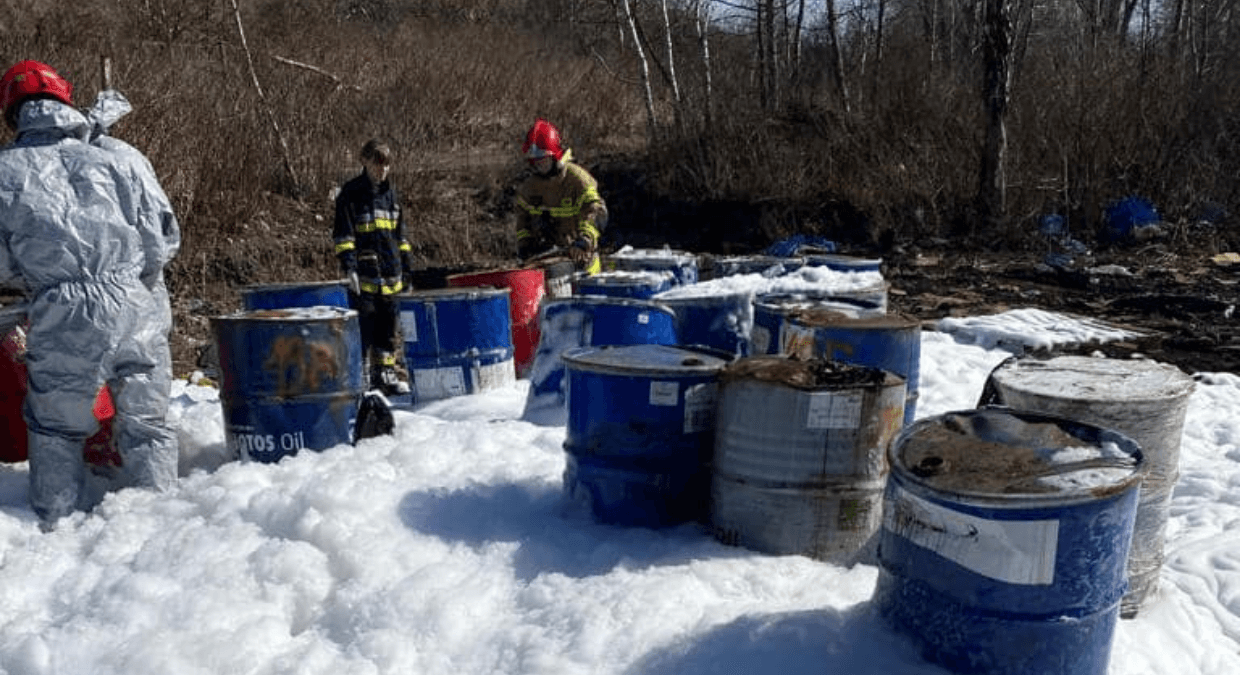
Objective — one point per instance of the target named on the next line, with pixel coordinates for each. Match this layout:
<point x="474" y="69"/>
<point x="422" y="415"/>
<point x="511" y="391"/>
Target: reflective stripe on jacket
<point x="369" y="235"/>
<point x="555" y="210"/>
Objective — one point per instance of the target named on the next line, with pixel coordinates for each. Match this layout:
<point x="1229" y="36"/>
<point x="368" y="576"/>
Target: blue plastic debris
<point x="785" y="248"/>
<point x="1126" y="215"/>
<point x="1052" y="225"/>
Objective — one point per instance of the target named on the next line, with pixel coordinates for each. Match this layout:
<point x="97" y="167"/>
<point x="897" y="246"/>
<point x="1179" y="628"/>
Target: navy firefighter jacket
<point x="369" y="235"/>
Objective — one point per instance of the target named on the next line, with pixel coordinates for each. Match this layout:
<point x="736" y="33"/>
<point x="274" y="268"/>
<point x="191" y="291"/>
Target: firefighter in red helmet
<point x="558" y="204"/>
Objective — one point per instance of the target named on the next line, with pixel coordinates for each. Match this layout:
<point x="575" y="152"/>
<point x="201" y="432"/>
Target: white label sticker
<point x="495" y="375"/>
<point x="643" y="318"/>
<point x="796" y="341"/>
<point x="834" y="410"/>
<point x="1012" y="551"/>
<point x="664" y="393"/>
<point x="435" y="383"/>
<point x="409" y="326"/>
<point x="700" y="407"/>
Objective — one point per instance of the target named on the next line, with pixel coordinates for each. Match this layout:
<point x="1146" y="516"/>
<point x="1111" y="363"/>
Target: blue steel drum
<point x="1004" y="540"/>
<point x="641" y="428"/>
<point x="721" y="320"/>
<point x="307" y="294"/>
<point x="682" y="265"/>
<point x="586" y="321"/>
<point x="891" y="342"/>
<point x="638" y="285"/>
<point x="766" y="265"/>
<point x="290" y="379"/>
<point x="771" y="310"/>
<point x="457" y="341"/>
<point x="844" y="263"/>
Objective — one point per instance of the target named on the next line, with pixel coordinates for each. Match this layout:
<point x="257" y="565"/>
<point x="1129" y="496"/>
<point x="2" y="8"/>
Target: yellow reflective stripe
<point x="345" y="246"/>
<point x="404" y="246"/>
<point x="532" y="210"/>
<point x="595" y="266"/>
<point x="522" y="234"/>
<point x="384" y="289"/>
<point x="587" y="228"/>
<point x="387" y="359"/>
<point x="377" y="224"/>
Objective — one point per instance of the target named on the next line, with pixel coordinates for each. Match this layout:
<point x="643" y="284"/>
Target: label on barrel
<point x="664" y="393"/>
<point x="431" y="383"/>
<point x="700" y="407"/>
<point x="409" y="326"/>
<point x="834" y="410"/>
<point x="1019" y="552"/>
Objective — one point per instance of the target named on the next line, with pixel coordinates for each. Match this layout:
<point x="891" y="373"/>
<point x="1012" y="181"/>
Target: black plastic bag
<point x="374" y="418"/>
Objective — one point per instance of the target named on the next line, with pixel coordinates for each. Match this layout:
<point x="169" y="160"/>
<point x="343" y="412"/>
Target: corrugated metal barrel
<point x="587" y="321"/>
<point x="641" y="428"/>
<point x="891" y="342"/>
<point x="295" y="294"/>
<point x="526" y="289"/>
<point x="800" y="455"/>
<point x="771" y="310"/>
<point x="638" y="285"/>
<point x="1142" y="399"/>
<point x="457" y="341"/>
<point x="1004" y="541"/>
<point x="718" y="320"/>
<point x="290" y="379"/>
<point x="682" y="265"/>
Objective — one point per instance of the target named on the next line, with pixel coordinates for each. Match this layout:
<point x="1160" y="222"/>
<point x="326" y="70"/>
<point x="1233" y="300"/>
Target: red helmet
<point x="31" y="78"/>
<point x="543" y="140"/>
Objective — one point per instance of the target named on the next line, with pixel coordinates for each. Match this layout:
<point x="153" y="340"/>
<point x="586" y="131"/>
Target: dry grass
<point x="454" y="85"/>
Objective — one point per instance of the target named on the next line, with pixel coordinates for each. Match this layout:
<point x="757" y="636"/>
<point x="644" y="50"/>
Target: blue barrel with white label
<point x="682" y="265"/>
<point x="290" y="379"/>
<point x="891" y="342"/>
<point x="457" y="341"/>
<point x="624" y="284"/>
<point x="1005" y="538"/>
<point x="586" y="321"/>
<point x="295" y="294"/>
<point x="640" y="432"/>
<point x="771" y="311"/>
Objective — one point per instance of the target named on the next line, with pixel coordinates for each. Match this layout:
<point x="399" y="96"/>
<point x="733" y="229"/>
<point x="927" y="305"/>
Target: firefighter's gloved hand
<point x="581" y="251"/>
<point x="354" y="284"/>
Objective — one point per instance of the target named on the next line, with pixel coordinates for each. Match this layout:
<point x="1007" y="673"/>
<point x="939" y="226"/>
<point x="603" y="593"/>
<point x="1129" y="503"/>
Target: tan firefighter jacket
<point x="558" y="210"/>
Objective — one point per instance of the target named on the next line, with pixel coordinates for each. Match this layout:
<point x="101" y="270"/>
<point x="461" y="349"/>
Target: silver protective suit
<point x="86" y="230"/>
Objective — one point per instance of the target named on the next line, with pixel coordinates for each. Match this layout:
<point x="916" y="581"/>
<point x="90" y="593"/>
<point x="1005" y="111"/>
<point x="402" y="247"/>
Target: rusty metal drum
<point x="800" y="455"/>
<point x="290" y="379"/>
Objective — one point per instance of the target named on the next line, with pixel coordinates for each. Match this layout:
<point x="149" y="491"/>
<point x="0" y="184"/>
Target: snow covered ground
<point x="448" y="548"/>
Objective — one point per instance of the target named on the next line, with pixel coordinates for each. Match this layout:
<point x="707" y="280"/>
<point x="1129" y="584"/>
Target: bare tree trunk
<point x="837" y="60"/>
<point x="671" y="61"/>
<point x="796" y="37"/>
<point x="702" y="21"/>
<point x="997" y="53"/>
<point x="652" y="128"/>
<point x="262" y="97"/>
<point x="878" y="33"/>
<point x="770" y="53"/>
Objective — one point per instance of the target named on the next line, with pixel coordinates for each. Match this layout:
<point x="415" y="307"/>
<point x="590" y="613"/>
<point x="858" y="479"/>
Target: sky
<point x="449" y="547"/>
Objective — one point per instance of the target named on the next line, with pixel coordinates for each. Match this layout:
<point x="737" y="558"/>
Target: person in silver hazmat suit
<point x="85" y="231"/>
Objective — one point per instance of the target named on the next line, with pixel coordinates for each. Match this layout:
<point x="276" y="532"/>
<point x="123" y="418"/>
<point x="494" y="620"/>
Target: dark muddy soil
<point x="1183" y="305"/>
